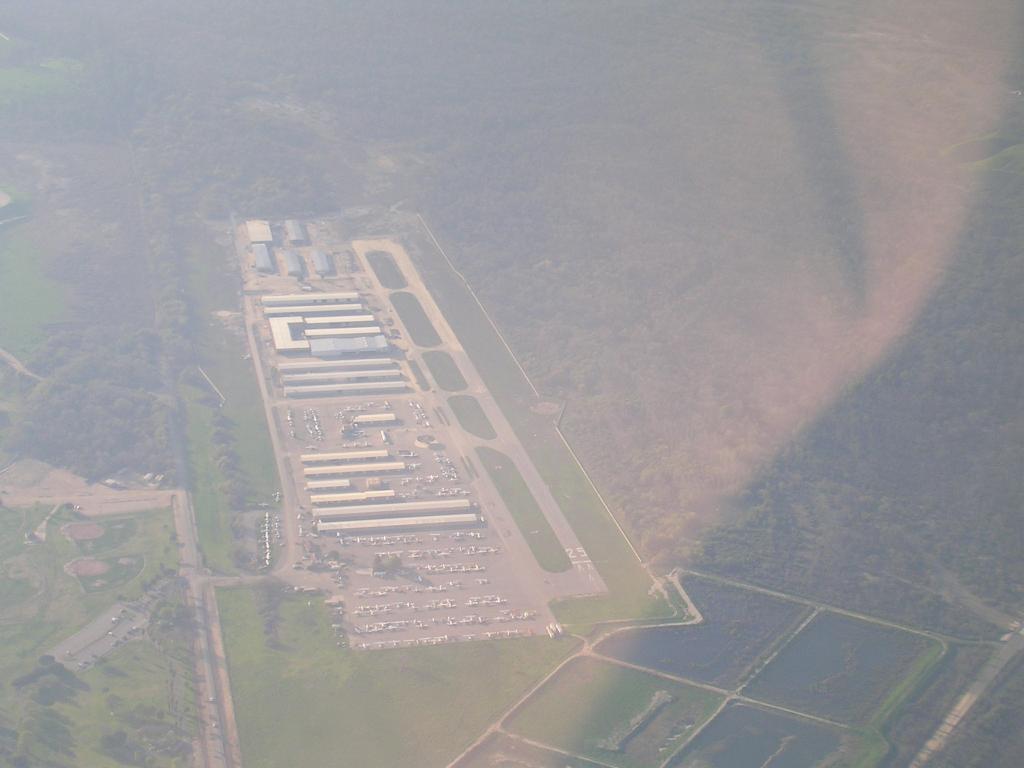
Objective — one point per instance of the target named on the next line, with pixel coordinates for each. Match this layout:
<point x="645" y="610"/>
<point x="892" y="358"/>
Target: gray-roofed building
<point x="261" y="258"/>
<point x="293" y="264"/>
<point x="294" y="232"/>
<point x="348" y="347"/>
<point x="322" y="263"/>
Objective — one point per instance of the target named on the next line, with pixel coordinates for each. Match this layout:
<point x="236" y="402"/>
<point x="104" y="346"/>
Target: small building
<point x="355" y="497"/>
<point x="347" y="388"/>
<point x="342" y="457"/>
<point x="353" y="308"/>
<point x="375" y="419"/>
<point x="322" y="486"/>
<point x="376" y="525"/>
<point x="330" y="333"/>
<point x="295" y="232"/>
<point x="261" y="258"/>
<point x="313" y="366"/>
<point x="340" y="377"/>
<point x="294" y="266"/>
<point x="322" y="263"/>
<point x="258" y="231"/>
<point x="299" y="299"/>
<point x="395" y="509"/>
<point x="341" y="321"/>
<point x="352" y="470"/>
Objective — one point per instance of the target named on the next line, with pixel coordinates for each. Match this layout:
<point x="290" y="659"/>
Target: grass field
<point x="222" y="349"/>
<point x="471" y="416"/>
<point x="29" y="299"/>
<point x="42" y="605"/>
<point x="845" y="669"/>
<point x="388" y="272"/>
<point x="139" y="706"/>
<point x="739" y="627"/>
<point x="211" y="505"/>
<point x="621" y="571"/>
<point x="50" y="78"/>
<point x="297" y="694"/>
<point x="523" y="507"/>
<point x="417" y="373"/>
<point x="612" y="714"/>
<point x="445" y="371"/>
<point x="415" y="319"/>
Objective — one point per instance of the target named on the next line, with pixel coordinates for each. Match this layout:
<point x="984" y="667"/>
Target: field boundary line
<point x="937" y="636"/>
<point x="557" y="428"/>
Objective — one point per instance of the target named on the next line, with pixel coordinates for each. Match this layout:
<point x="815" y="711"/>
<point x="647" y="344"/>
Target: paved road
<point x="108" y="630"/>
<point x="217" y="727"/>
<point x="583" y="578"/>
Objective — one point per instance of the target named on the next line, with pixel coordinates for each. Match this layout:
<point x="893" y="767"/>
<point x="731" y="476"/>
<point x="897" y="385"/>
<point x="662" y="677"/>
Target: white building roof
<point x="281" y="331"/>
<point x="312" y="298"/>
<point x="342" y="456"/>
<point x="395" y="523"/>
<point x="374" y="468"/>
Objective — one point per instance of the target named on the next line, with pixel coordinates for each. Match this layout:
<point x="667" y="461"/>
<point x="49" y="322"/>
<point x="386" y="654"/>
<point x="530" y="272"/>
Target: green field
<point x="415" y="320"/>
<point x="50" y="78"/>
<point x="628" y="583"/>
<point x="388" y="272"/>
<point x="222" y="351"/>
<point x="499" y="750"/>
<point x="471" y="416"/>
<point x="29" y="298"/>
<point x="523" y="507"/>
<point x="139" y="705"/>
<point x="297" y="693"/>
<point x="445" y="371"/>
<point x="417" y="373"/>
<point x="846" y="669"/>
<point x="206" y="482"/>
<point x="613" y="714"/>
<point x="51" y="711"/>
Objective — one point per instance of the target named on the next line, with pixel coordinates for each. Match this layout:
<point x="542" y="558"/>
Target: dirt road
<point x="17" y="365"/>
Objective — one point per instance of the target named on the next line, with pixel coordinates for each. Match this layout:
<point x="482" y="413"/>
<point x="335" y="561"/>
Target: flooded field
<point x="840" y="668"/>
<point x="748" y="737"/>
<point x="739" y="626"/>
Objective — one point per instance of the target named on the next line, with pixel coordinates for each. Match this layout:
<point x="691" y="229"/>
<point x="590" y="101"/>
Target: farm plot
<point x="612" y="714"/>
<point x="749" y="737"/>
<point x="843" y="668"/>
<point x="415" y="319"/>
<point x="444" y="370"/>
<point x="739" y="627"/>
<point x="502" y="751"/>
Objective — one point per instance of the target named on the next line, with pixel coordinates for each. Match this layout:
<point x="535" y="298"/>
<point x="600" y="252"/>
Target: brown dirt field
<point x="28" y="482"/>
<point x="86" y="566"/>
<point x="82" y="531"/>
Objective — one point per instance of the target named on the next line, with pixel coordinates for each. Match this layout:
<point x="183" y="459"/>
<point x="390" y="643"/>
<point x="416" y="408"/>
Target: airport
<point x="377" y="472"/>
